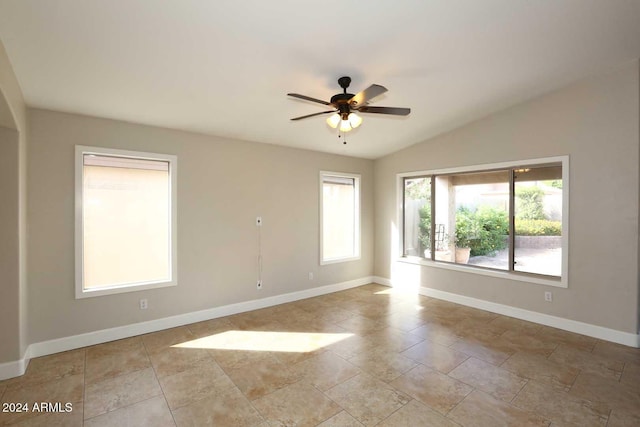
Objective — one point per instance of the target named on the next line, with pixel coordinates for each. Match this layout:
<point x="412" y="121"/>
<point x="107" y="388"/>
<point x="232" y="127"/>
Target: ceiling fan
<point x="345" y="105"/>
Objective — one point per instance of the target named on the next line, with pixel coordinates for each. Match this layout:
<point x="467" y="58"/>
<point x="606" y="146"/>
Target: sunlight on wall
<point x="395" y="238"/>
<point x="403" y="276"/>
<point x="292" y="342"/>
<point x="406" y="276"/>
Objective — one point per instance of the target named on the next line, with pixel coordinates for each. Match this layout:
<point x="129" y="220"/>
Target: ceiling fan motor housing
<point x="344" y="82"/>
<point x="341" y="98"/>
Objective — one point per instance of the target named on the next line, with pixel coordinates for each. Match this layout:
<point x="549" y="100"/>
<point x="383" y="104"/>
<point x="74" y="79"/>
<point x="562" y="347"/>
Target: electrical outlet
<point x="548" y="296"/>
<point x="143" y="304"/>
<point x="259" y="221"/>
<point x="310" y="275"/>
<point x="259" y="285"/>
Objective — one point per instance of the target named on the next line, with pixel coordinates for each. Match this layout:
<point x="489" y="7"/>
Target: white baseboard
<point x="625" y="338"/>
<point x="382" y="281"/>
<point x="17" y="368"/>
<point x="13" y="369"/>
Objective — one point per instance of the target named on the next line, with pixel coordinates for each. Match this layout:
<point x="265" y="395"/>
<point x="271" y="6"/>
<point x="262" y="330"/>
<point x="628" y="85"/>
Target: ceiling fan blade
<point x="308" y="98"/>
<point x="385" y="110"/>
<point x="371" y="92"/>
<point x="314" y="114"/>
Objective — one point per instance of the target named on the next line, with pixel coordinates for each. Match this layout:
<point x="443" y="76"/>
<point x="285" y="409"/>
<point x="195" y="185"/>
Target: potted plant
<point x="463" y="235"/>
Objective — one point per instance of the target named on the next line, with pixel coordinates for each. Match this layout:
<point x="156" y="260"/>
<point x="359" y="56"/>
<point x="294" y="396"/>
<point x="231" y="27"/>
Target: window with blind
<point x="340" y="217"/>
<point x="125" y="221"/>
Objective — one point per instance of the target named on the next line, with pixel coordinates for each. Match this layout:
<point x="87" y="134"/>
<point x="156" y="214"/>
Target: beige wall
<point x="222" y="186"/>
<point x="9" y="247"/>
<point x="13" y="102"/>
<point x="596" y="123"/>
<point x="13" y="225"/>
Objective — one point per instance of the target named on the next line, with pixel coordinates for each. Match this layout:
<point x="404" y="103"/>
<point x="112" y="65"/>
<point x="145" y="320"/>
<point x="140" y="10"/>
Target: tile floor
<point x="367" y="356"/>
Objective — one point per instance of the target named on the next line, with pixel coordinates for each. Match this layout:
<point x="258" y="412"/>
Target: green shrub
<point x="465" y="228"/>
<point x="425" y="226"/>
<point x="491" y="227"/>
<point x="529" y="203"/>
<point x="555" y="183"/>
<point x="538" y="227"/>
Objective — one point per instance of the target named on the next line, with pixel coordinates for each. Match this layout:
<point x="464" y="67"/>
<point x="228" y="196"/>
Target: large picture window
<point x="340" y="217"/>
<point x="125" y="221"/>
<point x="509" y="218"/>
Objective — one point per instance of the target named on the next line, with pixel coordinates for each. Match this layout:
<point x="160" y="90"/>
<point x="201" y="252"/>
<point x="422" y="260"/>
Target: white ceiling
<point x="223" y="67"/>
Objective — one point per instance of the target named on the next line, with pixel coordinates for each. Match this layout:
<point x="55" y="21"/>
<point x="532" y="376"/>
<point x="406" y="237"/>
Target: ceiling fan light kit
<point x="334" y="120"/>
<point x="346" y="122"/>
<point x="345" y="126"/>
<point x="346" y="105"/>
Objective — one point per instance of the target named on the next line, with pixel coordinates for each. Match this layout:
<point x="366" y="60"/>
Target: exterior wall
<point x="222" y="186"/>
<point x="596" y="123"/>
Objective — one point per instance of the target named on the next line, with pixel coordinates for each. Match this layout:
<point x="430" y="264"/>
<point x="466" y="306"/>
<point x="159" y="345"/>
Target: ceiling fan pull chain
<point x="344" y="140"/>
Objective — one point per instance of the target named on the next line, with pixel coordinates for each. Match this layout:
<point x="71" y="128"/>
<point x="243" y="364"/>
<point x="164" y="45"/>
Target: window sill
<point x="509" y="275"/>
<point x="120" y="289"/>
<point x="338" y="260"/>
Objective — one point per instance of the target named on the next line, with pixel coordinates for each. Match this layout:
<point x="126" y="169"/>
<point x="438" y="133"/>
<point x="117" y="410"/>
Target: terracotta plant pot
<point x="462" y="255"/>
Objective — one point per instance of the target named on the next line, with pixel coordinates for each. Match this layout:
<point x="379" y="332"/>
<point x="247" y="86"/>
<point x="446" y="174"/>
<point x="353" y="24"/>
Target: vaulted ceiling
<point x="224" y="67"/>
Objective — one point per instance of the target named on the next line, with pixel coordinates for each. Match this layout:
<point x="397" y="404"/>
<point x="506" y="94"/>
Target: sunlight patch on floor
<point x="404" y="292"/>
<point x="404" y="295"/>
<point x="292" y="342"/>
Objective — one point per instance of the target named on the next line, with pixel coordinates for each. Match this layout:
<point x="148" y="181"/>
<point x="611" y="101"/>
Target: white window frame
<point x="561" y="282"/>
<point x="80" y="291"/>
<point x="357" y="238"/>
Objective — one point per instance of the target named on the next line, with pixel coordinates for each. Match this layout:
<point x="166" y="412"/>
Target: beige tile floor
<point x="367" y="356"/>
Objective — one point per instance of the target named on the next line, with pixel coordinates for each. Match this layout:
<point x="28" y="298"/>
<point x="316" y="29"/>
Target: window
<point x="125" y="221"/>
<point x="538" y="220"/>
<point x="505" y="217"/>
<point x="339" y="217"/>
